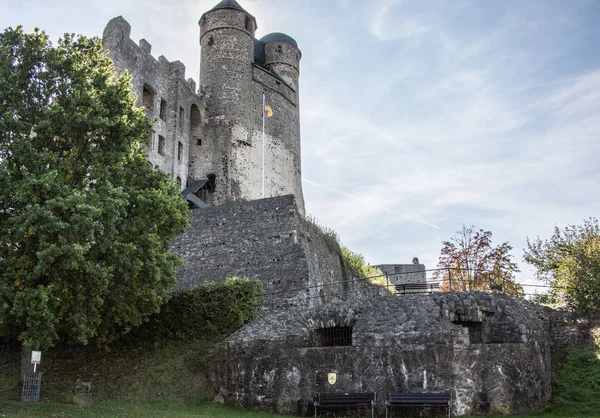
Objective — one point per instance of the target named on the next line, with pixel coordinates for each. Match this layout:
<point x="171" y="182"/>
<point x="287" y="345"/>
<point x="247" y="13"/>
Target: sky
<point x="416" y="116"/>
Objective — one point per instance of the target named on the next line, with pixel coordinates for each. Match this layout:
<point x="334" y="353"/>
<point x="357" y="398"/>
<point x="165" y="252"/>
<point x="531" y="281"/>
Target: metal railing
<point x="435" y="280"/>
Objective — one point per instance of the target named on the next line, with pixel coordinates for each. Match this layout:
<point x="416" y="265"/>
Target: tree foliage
<point x="470" y="262"/>
<point x="359" y="268"/>
<point x="570" y="262"/>
<point x="85" y="221"/>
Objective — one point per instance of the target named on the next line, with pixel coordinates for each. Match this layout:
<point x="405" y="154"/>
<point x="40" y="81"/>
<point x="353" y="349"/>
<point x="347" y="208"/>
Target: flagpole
<point x="263" y="148"/>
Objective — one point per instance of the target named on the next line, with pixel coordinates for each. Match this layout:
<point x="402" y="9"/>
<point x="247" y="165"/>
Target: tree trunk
<point x="26" y="365"/>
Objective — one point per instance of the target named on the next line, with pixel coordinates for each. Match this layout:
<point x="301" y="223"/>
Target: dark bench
<point x="346" y="401"/>
<point x="424" y="399"/>
<point x="416" y="288"/>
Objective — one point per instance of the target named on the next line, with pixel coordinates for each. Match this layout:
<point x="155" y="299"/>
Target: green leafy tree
<point x="472" y="263"/>
<point x="570" y="262"/>
<point x="85" y="221"/>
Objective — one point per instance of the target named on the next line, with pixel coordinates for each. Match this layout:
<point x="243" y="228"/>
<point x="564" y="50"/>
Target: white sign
<point x="36" y="357"/>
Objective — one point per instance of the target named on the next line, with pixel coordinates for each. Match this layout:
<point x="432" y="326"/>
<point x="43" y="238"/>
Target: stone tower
<point x="212" y="139"/>
<point x="236" y="70"/>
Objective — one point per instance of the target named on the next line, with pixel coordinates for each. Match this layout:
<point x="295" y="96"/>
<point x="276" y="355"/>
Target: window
<point x="334" y="337"/>
<point x="195" y="125"/>
<point x="249" y="24"/>
<point x="163" y="109"/>
<point x="212" y="183"/>
<point x="181" y="116"/>
<point x="279" y="49"/>
<point x="179" y="151"/>
<point x="178" y="182"/>
<point x="475" y="334"/>
<point x="211" y="41"/>
<point x="148" y="94"/>
<point x="150" y="142"/>
<point x="161" y="145"/>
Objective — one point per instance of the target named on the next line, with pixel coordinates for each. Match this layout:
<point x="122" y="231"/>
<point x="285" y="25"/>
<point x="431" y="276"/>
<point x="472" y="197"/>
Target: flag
<point x="267" y="111"/>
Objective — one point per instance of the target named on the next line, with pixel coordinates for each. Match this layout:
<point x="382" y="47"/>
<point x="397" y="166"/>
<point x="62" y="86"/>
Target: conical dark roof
<point x="228" y="4"/>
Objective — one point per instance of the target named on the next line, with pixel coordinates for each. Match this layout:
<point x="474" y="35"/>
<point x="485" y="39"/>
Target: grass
<point x="140" y="379"/>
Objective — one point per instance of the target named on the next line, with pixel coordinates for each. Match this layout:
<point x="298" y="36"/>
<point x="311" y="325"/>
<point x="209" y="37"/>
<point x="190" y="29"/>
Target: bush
<point x="213" y="310"/>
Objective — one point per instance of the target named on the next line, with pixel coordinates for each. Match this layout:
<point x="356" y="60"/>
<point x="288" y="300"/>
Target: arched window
<point x="161" y="145"/>
<point x="178" y="182"/>
<point x="195" y="125"/>
<point x="148" y="94"/>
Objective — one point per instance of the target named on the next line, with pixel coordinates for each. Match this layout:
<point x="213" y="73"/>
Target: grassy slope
<point x="166" y="381"/>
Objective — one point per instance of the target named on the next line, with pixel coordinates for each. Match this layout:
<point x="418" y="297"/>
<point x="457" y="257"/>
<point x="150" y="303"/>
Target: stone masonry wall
<point x="266" y="239"/>
<point x="491" y="351"/>
<point x="167" y="81"/>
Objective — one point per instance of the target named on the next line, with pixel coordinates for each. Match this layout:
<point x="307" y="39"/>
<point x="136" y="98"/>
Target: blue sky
<point x="417" y="116"/>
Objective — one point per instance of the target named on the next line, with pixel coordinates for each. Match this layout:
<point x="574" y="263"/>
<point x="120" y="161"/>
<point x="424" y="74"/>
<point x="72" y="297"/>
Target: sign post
<point x="36" y="358"/>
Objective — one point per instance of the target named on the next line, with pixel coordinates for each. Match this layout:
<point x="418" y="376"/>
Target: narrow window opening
<point x="178" y="182"/>
<point x="248" y="24"/>
<point x="150" y="141"/>
<point x="211" y="41"/>
<point x="475" y="334"/>
<point x="334" y="337"/>
<point x="148" y="97"/>
<point x="279" y="49"/>
<point x="163" y="109"/>
<point x="179" y="151"/>
<point x="212" y="183"/>
<point x="181" y="116"/>
<point x="195" y="125"/>
<point x="277" y="85"/>
<point x="161" y="145"/>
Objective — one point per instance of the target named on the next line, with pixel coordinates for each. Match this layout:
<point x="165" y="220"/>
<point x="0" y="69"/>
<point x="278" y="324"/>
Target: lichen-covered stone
<point x="491" y="351"/>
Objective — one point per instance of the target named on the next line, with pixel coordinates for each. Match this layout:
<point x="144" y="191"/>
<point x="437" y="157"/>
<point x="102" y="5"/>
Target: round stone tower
<point x="283" y="56"/>
<point x="227" y="51"/>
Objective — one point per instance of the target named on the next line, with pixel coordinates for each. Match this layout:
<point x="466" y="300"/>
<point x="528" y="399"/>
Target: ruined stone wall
<point x="169" y="145"/>
<point x="266" y="239"/>
<point x="404" y="273"/>
<point x="282" y="140"/>
<point x="491" y="351"/>
<point x="218" y="133"/>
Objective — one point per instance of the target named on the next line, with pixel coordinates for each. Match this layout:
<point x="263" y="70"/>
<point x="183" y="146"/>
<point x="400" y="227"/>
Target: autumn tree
<point x="470" y="262"/>
<point x="85" y="221"/>
<point x="570" y="262"/>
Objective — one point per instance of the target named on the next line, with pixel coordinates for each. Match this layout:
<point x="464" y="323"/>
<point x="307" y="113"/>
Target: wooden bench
<point x="345" y="401"/>
<point x="423" y="399"/>
<point x="416" y="288"/>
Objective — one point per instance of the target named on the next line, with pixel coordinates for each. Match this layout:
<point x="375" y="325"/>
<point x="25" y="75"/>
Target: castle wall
<point x="404" y="273"/>
<point x="266" y="239"/>
<point x="166" y="80"/>
<point x="218" y="133"/>
<point x="491" y="351"/>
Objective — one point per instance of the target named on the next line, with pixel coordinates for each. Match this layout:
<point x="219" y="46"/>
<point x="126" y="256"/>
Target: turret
<point x="227" y="42"/>
<point x="283" y="57"/>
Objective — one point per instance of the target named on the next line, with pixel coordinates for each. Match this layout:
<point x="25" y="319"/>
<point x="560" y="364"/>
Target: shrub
<point x="212" y="310"/>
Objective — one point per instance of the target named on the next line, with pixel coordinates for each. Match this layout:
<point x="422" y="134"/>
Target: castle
<point x="493" y="352"/>
<point x="211" y="138"/>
